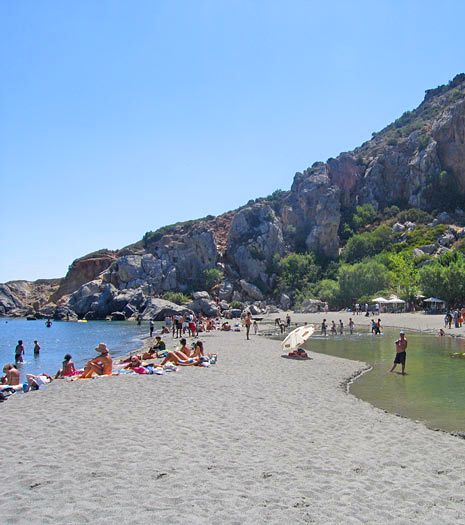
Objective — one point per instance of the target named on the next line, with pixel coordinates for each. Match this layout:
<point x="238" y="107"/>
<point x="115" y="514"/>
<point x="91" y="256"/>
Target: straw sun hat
<point x="102" y="348"/>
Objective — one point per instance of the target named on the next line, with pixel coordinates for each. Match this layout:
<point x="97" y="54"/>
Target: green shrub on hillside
<point x="210" y="278"/>
<point x="176" y="297"/>
<point x="414" y="215"/>
<point x="363" y="215"/>
<point x="367" y="244"/>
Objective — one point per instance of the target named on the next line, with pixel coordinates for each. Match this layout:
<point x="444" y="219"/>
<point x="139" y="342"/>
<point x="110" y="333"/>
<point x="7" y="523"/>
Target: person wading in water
<point x="401" y="352"/>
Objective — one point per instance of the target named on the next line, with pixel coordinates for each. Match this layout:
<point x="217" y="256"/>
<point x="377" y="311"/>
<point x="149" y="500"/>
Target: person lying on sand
<point x="11" y="376"/>
<point x="100" y="365"/>
<point x="178" y="358"/>
<point x="36" y="381"/>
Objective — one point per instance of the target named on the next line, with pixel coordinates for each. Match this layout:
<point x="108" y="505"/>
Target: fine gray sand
<point x="253" y="439"/>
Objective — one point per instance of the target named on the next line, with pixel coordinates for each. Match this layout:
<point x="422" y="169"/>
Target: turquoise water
<point x="78" y="339"/>
<point x="433" y="391"/>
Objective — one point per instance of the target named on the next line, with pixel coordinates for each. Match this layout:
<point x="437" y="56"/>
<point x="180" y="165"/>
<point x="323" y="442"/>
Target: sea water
<point x="77" y="339"/>
<point x="433" y="389"/>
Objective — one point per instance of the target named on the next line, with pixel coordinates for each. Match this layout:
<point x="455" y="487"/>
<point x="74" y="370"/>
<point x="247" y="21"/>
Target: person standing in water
<point x="36" y="348"/>
<point x="401" y="352"/>
<point x="351" y="326"/>
<point x="151" y="326"/>
<point x="19" y="352"/>
<point x="341" y="327"/>
<point x="324" y="327"/>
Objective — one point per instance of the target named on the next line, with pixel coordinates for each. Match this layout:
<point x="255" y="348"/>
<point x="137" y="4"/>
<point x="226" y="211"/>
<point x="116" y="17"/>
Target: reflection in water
<point x="433" y="390"/>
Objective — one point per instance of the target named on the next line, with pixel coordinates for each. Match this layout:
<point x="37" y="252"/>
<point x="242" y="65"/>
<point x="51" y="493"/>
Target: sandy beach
<point x="253" y="439"/>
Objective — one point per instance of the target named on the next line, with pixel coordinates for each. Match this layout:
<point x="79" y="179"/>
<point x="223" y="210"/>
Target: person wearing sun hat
<point x="401" y="352"/>
<point x="101" y="365"/>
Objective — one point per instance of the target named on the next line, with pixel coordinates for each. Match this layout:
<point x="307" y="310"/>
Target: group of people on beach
<point x="335" y="329"/>
<point x="103" y="364"/>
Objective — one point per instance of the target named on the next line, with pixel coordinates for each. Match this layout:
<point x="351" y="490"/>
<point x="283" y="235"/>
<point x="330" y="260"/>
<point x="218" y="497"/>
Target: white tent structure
<point x="434" y="305"/>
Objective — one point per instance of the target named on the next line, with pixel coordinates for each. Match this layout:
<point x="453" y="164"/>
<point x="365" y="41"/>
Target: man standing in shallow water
<point x="401" y="352"/>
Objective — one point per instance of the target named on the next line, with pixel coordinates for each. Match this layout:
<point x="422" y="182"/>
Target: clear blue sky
<point x="118" y="117"/>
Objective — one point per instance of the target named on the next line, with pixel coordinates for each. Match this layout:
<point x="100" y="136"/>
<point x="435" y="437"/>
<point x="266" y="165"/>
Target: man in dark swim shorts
<point x="401" y="352"/>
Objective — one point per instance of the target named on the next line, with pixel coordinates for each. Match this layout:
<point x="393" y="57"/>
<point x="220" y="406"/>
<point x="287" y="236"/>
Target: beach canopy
<point x="297" y="337"/>
<point x="380" y="300"/>
<point x="393" y="299"/>
<point x="433" y="300"/>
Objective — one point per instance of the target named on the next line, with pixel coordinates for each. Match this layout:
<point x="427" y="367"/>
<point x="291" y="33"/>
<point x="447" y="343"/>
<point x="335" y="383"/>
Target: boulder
<point x="205" y="307"/>
<point x="118" y="316"/>
<point x="63" y="313"/>
<point x="224" y="305"/>
<point x="254" y="310"/>
<point x="251" y="290"/>
<point x="428" y="248"/>
<point x="235" y="313"/>
<point x="410" y="226"/>
<point x="201" y="295"/>
<point x="447" y="239"/>
<point x="418" y="253"/>
<point x="311" y="306"/>
<point x="398" y="227"/>
<point x="444" y="218"/>
<point x="272" y="309"/>
<point x="225" y="291"/>
<point x="158" y="309"/>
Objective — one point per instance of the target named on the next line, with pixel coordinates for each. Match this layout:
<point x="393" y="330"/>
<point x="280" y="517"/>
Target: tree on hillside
<point x="297" y="271"/>
<point x="404" y="274"/>
<point x="361" y="279"/>
<point x="445" y="278"/>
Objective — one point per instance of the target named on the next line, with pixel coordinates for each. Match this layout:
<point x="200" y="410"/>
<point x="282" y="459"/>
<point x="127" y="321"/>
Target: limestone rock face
<point x="8" y="300"/>
<point x="82" y="271"/>
<point x="449" y="134"/>
<point x="313" y="211"/>
<point x="255" y="237"/>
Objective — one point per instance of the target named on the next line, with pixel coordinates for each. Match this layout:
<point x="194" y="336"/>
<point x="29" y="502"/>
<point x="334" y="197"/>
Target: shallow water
<point x="433" y="389"/>
<point x="78" y="339"/>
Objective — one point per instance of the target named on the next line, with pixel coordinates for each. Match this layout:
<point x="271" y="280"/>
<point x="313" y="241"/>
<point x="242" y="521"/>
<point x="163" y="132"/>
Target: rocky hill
<point x="416" y="162"/>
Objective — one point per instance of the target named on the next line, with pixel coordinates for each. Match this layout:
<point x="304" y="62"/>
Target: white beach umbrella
<point x="297" y="337"/>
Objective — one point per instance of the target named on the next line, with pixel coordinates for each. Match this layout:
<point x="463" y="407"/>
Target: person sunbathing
<point x="36" y="381"/>
<point x="180" y="359"/>
<point x="226" y="327"/>
<point x="134" y="362"/>
<point x="68" y="370"/>
<point x="150" y="354"/>
<point x="100" y="365"/>
<point x="11" y="376"/>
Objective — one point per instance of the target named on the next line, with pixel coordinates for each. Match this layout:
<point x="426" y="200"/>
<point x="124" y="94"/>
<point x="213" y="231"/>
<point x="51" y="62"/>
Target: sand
<point x="254" y="439"/>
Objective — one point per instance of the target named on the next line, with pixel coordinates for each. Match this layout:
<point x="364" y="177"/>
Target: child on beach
<point x="255" y="327"/>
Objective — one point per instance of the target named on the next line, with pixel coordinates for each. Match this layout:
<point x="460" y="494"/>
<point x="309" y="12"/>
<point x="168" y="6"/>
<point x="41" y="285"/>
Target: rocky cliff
<point x="417" y="161"/>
